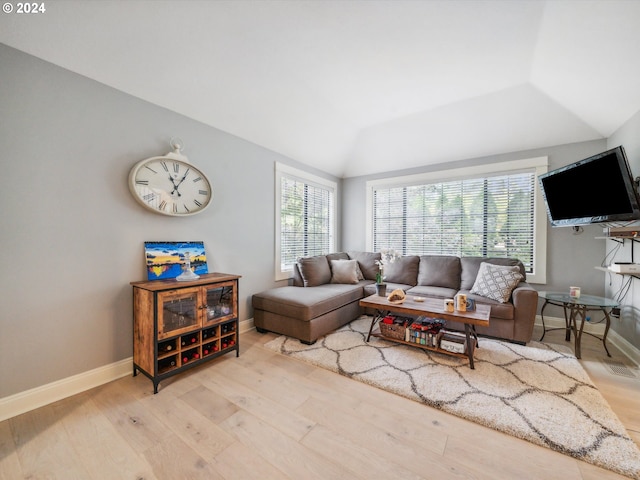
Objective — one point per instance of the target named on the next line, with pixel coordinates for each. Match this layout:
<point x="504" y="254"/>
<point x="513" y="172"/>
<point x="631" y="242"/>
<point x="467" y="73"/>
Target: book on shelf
<point x="424" y="331"/>
<point x="455" y="342"/>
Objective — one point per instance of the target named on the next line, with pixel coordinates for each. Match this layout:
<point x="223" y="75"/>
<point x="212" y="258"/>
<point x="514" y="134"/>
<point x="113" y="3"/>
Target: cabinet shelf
<point x="178" y="325"/>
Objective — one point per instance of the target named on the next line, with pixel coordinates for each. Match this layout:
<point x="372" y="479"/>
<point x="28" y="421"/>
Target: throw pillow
<point x="344" y="271"/>
<point x="403" y="270"/>
<point x="496" y="281"/>
<point x="314" y="270"/>
<point x="440" y="271"/>
<point x="367" y="263"/>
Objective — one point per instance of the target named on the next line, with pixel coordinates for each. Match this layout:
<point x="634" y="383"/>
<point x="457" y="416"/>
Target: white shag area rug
<point x="539" y="393"/>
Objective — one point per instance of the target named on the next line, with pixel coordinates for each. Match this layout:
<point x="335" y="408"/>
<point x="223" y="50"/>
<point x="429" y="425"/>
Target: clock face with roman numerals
<point x="170" y="186"/>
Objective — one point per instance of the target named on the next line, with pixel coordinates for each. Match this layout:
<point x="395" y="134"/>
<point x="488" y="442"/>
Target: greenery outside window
<point x="493" y="210"/>
<point x="305" y="217"/>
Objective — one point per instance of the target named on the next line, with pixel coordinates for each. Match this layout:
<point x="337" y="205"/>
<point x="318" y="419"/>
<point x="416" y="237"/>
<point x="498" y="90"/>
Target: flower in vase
<point x="387" y="255"/>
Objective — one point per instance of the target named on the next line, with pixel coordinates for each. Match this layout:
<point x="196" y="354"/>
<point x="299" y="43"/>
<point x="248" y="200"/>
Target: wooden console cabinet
<point x="179" y="325"/>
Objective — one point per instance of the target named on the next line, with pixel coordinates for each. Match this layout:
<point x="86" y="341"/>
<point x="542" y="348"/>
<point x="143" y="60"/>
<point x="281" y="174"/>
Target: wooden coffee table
<point x="430" y="307"/>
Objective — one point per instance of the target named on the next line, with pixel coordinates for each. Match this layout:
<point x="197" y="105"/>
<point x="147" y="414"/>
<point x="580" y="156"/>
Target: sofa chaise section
<point x="313" y="305"/>
<point x="309" y="314"/>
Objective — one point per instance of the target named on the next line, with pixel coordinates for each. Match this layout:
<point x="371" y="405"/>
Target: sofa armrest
<point x="525" y="303"/>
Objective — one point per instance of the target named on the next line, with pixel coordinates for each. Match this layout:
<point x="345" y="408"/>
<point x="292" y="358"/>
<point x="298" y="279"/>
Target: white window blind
<point x="489" y="215"/>
<point x="305" y="217"/>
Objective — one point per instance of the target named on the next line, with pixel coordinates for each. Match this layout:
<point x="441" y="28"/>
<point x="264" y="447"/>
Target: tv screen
<point x="597" y="189"/>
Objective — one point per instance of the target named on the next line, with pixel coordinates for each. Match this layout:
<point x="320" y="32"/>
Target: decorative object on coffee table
<point x="397" y="296"/>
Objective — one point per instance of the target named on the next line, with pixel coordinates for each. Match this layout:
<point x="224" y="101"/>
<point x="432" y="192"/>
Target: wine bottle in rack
<point x="166" y="364"/>
<point x="190" y="355"/>
<point x="166" y="347"/>
<point x="190" y="339"/>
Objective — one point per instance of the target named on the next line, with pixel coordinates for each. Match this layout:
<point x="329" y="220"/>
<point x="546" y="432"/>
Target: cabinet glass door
<point x="221" y="301"/>
<point x="178" y="312"/>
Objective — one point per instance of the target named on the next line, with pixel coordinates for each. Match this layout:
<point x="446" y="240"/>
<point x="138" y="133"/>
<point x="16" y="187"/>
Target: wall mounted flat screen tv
<point x="598" y="189"/>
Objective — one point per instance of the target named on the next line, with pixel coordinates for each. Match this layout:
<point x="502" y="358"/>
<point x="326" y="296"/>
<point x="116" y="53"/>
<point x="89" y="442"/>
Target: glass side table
<point x="575" y="309"/>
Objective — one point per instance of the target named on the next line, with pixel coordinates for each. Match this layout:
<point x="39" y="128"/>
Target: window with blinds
<point x="305" y="217"/>
<point x="492" y="215"/>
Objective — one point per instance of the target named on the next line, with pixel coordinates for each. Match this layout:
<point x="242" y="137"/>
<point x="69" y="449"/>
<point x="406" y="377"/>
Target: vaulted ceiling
<point x="359" y="87"/>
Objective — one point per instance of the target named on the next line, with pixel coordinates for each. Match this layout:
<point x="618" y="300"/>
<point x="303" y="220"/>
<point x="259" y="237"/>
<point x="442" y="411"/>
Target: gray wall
<point x="628" y="325"/>
<point x="72" y="235"/>
<point x="571" y="257"/>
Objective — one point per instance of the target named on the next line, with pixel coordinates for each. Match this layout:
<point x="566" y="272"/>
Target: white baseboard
<point x="246" y="325"/>
<point x="52" y="392"/>
<point x="631" y="352"/>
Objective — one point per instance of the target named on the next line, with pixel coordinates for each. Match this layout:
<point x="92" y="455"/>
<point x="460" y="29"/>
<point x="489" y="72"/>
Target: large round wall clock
<point x="170" y="185"/>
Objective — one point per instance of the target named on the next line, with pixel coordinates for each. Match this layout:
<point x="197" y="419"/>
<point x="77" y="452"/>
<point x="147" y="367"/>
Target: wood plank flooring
<point x="265" y="416"/>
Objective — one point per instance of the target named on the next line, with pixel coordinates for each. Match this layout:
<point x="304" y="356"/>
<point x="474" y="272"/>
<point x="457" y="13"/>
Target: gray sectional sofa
<point x="325" y="292"/>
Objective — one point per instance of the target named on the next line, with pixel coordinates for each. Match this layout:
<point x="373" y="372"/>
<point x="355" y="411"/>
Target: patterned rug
<point x="539" y="393"/>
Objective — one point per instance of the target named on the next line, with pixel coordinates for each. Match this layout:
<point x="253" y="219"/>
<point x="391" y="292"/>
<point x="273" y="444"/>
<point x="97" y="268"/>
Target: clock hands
<point x="175" y="187"/>
<point x="185" y="176"/>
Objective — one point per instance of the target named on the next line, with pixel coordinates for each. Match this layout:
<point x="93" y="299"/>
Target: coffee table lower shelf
<point x="470" y="347"/>
<point x="418" y="306"/>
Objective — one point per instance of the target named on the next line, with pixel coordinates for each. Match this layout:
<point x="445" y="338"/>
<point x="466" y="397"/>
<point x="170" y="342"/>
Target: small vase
<point x="187" y="273"/>
<point x="381" y="289"/>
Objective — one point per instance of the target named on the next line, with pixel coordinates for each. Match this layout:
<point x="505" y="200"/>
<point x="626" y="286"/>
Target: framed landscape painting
<point x="166" y="259"/>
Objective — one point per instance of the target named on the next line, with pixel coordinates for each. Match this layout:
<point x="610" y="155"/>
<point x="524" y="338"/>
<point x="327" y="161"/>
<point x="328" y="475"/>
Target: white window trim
<point x="540" y="164"/>
<point x="288" y="171"/>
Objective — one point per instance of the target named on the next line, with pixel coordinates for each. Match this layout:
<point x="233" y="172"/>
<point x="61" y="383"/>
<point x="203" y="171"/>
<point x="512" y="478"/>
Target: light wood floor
<point x="266" y="416"/>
